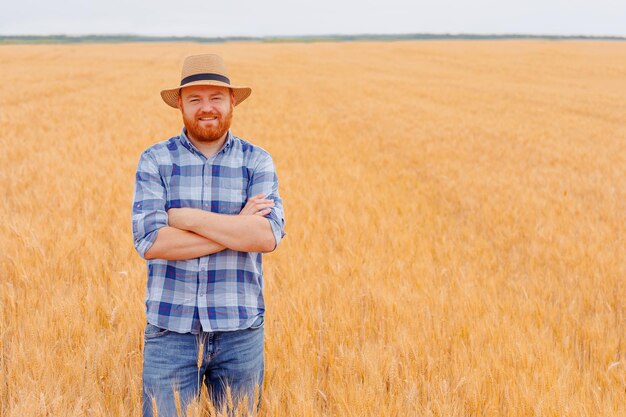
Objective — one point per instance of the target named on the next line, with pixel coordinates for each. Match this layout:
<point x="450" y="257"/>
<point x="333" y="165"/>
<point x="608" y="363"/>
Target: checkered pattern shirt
<point x="221" y="291"/>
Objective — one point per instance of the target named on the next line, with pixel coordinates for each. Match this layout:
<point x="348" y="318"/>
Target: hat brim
<point x="170" y="96"/>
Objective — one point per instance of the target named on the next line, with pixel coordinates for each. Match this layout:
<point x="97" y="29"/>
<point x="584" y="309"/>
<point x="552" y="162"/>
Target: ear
<point x="232" y="97"/>
<point x="180" y="101"/>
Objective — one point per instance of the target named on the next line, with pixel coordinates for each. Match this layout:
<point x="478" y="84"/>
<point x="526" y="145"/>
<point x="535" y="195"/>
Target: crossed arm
<point x="192" y="233"/>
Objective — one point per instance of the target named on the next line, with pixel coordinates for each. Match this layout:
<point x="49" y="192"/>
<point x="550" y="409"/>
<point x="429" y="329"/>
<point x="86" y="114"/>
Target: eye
<point x="194" y="100"/>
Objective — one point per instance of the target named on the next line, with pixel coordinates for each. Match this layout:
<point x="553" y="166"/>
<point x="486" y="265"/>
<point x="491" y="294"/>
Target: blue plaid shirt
<point x="221" y="291"/>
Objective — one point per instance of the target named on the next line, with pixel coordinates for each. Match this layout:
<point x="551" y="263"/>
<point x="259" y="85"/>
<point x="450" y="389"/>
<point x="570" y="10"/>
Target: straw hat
<point x="205" y="69"/>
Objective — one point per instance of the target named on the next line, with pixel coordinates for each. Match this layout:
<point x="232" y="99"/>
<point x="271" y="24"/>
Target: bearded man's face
<point x="207" y="111"/>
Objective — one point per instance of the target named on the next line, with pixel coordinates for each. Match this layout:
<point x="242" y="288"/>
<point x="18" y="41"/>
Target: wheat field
<point x="455" y="218"/>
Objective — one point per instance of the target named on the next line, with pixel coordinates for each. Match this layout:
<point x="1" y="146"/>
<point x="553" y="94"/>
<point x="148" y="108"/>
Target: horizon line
<point x="304" y="35"/>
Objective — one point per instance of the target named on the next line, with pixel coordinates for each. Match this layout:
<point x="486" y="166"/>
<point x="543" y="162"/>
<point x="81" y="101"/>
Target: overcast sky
<point x="289" y="17"/>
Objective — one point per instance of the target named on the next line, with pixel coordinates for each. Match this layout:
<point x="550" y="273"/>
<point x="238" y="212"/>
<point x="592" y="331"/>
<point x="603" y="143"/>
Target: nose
<point x="206" y="106"/>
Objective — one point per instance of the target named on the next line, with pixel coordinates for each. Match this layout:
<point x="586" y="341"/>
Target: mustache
<point x="208" y="115"/>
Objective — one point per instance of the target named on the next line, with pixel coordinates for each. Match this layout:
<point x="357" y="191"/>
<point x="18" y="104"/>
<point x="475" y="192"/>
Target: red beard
<point x="208" y="133"/>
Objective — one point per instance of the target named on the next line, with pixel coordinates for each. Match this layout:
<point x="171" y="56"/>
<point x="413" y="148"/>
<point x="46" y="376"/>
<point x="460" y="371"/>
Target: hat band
<point x="204" y="76"/>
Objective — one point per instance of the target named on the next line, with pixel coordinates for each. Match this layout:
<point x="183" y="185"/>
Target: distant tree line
<point x="303" y="38"/>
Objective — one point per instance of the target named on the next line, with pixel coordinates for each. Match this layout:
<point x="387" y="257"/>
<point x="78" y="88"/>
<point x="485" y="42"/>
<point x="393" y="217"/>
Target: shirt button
<point x="203" y="268"/>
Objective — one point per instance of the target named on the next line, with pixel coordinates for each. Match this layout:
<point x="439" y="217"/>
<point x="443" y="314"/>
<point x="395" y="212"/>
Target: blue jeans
<point x="172" y="362"/>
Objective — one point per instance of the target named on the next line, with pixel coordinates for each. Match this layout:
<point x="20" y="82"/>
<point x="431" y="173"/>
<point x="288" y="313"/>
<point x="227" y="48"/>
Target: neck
<point x="208" y="149"/>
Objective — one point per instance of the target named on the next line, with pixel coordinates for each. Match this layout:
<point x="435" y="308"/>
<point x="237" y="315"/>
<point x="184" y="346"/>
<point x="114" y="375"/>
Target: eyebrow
<point x="217" y="93"/>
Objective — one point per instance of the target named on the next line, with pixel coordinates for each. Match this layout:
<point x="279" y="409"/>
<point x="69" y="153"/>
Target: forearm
<point x="174" y="244"/>
<point x="244" y="233"/>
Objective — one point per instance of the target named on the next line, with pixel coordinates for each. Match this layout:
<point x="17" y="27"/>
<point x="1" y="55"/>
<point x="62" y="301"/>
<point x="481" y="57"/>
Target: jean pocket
<point x="153" y="331"/>
<point x="258" y="323"/>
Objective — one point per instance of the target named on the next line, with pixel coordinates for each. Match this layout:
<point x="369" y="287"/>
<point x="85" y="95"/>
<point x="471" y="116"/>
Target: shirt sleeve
<point x="264" y="180"/>
<point x="149" y="213"/>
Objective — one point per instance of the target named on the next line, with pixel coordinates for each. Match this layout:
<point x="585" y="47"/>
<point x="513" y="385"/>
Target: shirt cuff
<point x="146" y="243"/>
<point x="277" y="231"/>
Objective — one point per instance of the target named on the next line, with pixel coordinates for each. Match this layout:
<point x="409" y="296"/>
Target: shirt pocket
<point x="233" y="195"/>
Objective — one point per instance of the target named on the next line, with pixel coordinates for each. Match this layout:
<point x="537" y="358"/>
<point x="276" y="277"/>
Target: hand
<point x="258" y="206"/>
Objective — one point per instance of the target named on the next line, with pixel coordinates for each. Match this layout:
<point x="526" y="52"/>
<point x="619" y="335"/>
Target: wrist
<point x="191" y="218"/>
<point x="183" y="218"/>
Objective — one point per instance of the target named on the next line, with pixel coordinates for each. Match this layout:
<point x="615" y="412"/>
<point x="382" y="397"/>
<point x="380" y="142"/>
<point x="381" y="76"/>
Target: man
<point x="206" y="206"/>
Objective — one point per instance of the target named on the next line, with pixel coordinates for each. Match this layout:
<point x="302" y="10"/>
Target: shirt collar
<point x="228" y="143"/>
